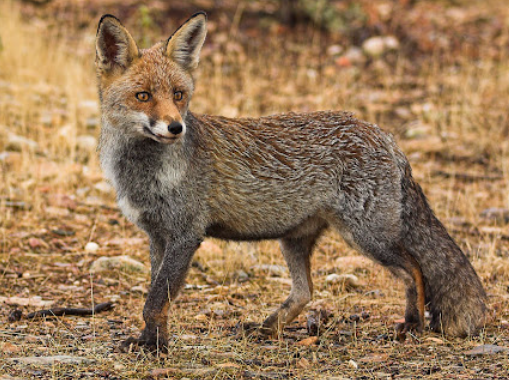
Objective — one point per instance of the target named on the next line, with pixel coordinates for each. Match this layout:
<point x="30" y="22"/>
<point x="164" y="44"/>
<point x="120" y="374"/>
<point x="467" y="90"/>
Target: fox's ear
<point x="114" y="46"/>
<point x="185" y="44"/>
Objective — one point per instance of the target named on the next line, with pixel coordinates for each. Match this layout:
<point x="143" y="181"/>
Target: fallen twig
<point x="63" y="311"/>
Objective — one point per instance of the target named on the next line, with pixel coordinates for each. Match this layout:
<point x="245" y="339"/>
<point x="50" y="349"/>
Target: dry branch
<point x="64" y="311"/>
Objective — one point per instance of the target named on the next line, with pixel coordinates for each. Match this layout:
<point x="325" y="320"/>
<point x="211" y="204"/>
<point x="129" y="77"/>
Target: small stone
<point x="104" y="187"/>
<point x="86" y="142"/>
<point x="277" y="270"/>
<point x="486" y="349"/>
<point x="349" y="280"/>
<point x="334" y="50"/>
<point x="353" y="364"/>
<point x="17" y="143"/>
<point x="241" y="276"/>
<point x="123" y="262"/>
<point x="497" y="214"/>
<point x="36" y="243"/>
<point x="91" y="247"/>
<point x="92" y="122"/>
<point x="139" y="289"/>
<point x="376" y="46"/>
<point x="354" y="55"/>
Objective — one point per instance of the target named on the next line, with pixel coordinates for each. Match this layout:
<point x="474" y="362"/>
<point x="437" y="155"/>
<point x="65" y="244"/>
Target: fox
<point x="182" y="177"/>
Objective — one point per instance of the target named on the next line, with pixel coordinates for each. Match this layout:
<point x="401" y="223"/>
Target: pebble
<point x="123" y="262"/>
<point x="376" y="46"/>
<point x="86" y="142"/>
<point x="278" y="270"/>
<point x="17" y="143"/>
<point x="349" y="280"/>
<point x="91" y="247"/>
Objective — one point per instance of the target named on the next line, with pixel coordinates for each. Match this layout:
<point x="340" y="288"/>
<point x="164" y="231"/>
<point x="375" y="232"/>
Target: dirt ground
<point x="437" y="78"/>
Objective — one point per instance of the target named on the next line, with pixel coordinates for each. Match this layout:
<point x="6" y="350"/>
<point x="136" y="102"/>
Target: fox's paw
<point x="407" y="327"/>
<point x="152" y="343"/>
<point x="254" y="330"/>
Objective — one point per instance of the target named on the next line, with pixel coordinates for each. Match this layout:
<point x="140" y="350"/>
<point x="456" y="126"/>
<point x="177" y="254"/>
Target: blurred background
<point x="434" y="73"/>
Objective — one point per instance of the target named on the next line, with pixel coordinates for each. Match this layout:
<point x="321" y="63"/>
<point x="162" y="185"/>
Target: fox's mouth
<point x="159" y="137"/>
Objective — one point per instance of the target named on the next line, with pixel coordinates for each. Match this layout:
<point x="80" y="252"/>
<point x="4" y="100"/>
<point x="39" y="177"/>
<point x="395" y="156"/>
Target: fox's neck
<point x="132" y="164"/>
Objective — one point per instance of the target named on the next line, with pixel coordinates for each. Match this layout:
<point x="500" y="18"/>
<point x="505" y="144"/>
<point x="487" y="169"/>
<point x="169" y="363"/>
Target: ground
<point x="441" y="89"/>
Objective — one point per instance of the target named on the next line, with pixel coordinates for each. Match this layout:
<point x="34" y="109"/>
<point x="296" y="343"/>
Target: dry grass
<point x="449" y="117"/>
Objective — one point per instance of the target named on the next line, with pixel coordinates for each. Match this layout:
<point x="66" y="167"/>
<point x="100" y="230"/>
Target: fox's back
<point x="289" y="167"/>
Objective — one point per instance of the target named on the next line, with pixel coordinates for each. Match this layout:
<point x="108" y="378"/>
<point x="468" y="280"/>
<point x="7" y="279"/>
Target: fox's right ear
<point x="115" y="48"/>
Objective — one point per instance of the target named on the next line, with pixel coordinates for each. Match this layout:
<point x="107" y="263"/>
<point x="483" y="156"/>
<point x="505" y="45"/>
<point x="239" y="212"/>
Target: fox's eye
<point x="177" y="95"/>
<point x="143" y="96"/>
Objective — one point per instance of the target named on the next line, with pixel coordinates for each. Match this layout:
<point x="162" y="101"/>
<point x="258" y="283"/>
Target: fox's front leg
<point x="166" y="283"/>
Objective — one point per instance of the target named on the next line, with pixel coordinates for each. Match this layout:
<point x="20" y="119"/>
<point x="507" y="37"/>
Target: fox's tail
<point x="454" y="293"/>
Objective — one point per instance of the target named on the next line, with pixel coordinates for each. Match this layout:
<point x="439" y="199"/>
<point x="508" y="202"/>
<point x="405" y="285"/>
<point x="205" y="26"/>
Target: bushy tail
<point x="454" y="293"/>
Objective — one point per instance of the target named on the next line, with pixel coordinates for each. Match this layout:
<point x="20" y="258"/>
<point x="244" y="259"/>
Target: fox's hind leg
<point x="411" y="274"/>
<point x="297" y="253"/>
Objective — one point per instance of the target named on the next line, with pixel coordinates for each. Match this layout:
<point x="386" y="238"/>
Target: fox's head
<point x="146" y="92"/>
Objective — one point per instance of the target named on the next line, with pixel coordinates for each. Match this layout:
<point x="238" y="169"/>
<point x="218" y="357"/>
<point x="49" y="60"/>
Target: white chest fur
<point x="129" y="211"/>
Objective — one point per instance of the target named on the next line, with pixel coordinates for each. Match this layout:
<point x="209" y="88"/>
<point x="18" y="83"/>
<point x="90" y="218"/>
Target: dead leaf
<point x="308" y="341"/>
<point x="303" y="363"/>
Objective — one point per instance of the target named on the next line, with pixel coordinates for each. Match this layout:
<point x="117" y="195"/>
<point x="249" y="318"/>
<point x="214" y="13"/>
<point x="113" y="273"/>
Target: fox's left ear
<point x="185" y="44"/>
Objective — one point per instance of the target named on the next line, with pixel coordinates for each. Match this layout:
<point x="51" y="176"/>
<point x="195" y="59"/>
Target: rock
<point x="334" y="50"/>
<point x="376" y="46"/>
<point x="486" y="349"/>
<point x="139" y="289"/>
<point x="104" y="187"/>
<point x="86" y="142"/>
<point x="277" y="270"/>
<point x="353" y="364"/>
<point x="123" y="262"/>
<point x="17" y="143"/>
<point x="92" y="122"/>
<point x="354" y="55"/>
<point x="241" y="276"/>
<point x="497" y="214"/>
<point x="52" y="360"/>
<point x="349" y="280"/>
<point x="91" y="247"/>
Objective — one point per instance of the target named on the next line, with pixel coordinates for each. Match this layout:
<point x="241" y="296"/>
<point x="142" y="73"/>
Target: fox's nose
<point x="175" y="128"/>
